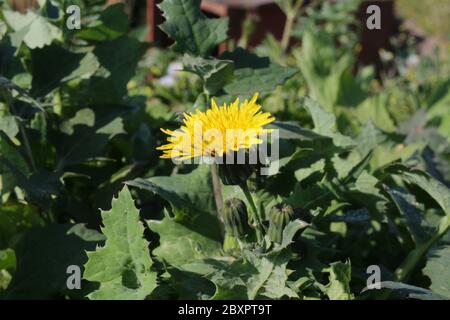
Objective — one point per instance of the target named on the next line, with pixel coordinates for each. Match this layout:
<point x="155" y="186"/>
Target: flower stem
<point x="217" y="189"/>
<point x="256" y="219"/>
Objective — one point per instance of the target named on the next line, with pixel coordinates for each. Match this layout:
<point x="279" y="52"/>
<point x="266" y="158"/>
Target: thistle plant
<point x="217" y="132"/>
<point x="186" y="210"/>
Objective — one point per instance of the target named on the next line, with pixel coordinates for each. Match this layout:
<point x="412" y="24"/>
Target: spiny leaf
<point x="271" y="279"/>
<point x="123" y="265"/>
<point x="192" y="31"/>
<point x="338" y="287"/>
<point x="290" y="231"/>
<point x="215" y="73"/>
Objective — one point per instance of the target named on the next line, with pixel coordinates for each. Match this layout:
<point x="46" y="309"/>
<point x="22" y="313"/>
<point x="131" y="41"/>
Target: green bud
<point x="235" y="218"/>
<point x="234" y="174"/>
<point x="280" y="215"/>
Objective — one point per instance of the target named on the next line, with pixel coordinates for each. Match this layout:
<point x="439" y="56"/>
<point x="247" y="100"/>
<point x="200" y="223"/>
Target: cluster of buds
<point x="237" y="224"/>
<point x="237" y="220"/>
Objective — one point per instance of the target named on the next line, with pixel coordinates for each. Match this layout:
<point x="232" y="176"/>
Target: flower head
<point x="217" y="131"/>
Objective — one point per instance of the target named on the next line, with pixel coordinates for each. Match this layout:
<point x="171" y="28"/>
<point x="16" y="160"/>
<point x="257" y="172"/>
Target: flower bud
<point x="235" y="218"/>
<point x="234" y="174"/>
<point x="280" y="215"/>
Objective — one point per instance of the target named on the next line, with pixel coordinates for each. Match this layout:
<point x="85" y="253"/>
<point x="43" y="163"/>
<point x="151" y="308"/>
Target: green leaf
<point x="290" y="130"/>
<point x="50" y="65"/>
<point x="189" y="239"/>
<point x="16" y="218"/>
<point x="7" y="259"/>
<point x="215" y="74"/>
<point x="11" y="156"/>
<point x="9" y="125"/>
<point x="338" y="287"/>
<point x="368" y="138"/>
<point x="433" y="187"/>
<point x="436" y="268"/>
<point x="12" y="93"/>
<point x="39" y="185"/>
<point x="253" y="276"/>
<point x="192" y="202"/>
<point x="366" y="192"/>
<point x="290" y="231"/>
<point x="85" y="136"/>
<point x="412" y="212"/>
<point x="43" y="255"/>
<point x="229" y="277"/>
<point x="185" y="285"/>
<point x="408" y="291"/>
<point x="271" y="279"/>
<point x="254" y="74"/>
<point x="123" y="265"/>
<point x="303" y="173"/>
<point x="191" y="30"/>
<point x="3" y="29"/>
<point x="7" y="263"/>
<point x="188" y="194"/>
<point x="32" y="29"/>
<point x="325" y="124"/>
<point x="374" y="109"/>
<point x="322" y="69"/>
<point x="111" y="24"/>
<point x="118" y="59"/>
<point x="441" y="194"/>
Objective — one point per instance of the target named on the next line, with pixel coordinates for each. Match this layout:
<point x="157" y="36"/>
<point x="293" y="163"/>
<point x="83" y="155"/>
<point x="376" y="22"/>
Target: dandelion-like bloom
<point x="217" y="131"/>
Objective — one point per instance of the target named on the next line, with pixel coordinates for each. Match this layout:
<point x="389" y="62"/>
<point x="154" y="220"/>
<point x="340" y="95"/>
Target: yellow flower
<point x="217" y="131"/>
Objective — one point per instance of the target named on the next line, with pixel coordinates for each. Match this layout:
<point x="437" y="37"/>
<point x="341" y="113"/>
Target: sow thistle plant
<point x="229" y="224"/>
<point x="230" y="202"/>
<point x="218" y="134"/>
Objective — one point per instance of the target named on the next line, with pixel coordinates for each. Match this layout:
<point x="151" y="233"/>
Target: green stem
<point x="57" y="102"/>
<point x="23" y="133"/>
<point x="291" y="14"/>
<point x="26" y="143"/>
<point x="256" y="219"/>
<point x="217" y="189"/>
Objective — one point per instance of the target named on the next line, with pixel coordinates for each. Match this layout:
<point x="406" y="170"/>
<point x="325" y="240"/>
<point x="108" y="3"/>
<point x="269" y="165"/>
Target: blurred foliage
<point x="431" y="15"/>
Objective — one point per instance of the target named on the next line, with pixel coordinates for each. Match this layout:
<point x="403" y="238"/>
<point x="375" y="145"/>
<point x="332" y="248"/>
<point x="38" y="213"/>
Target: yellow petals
<point x="217" y="131"/>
